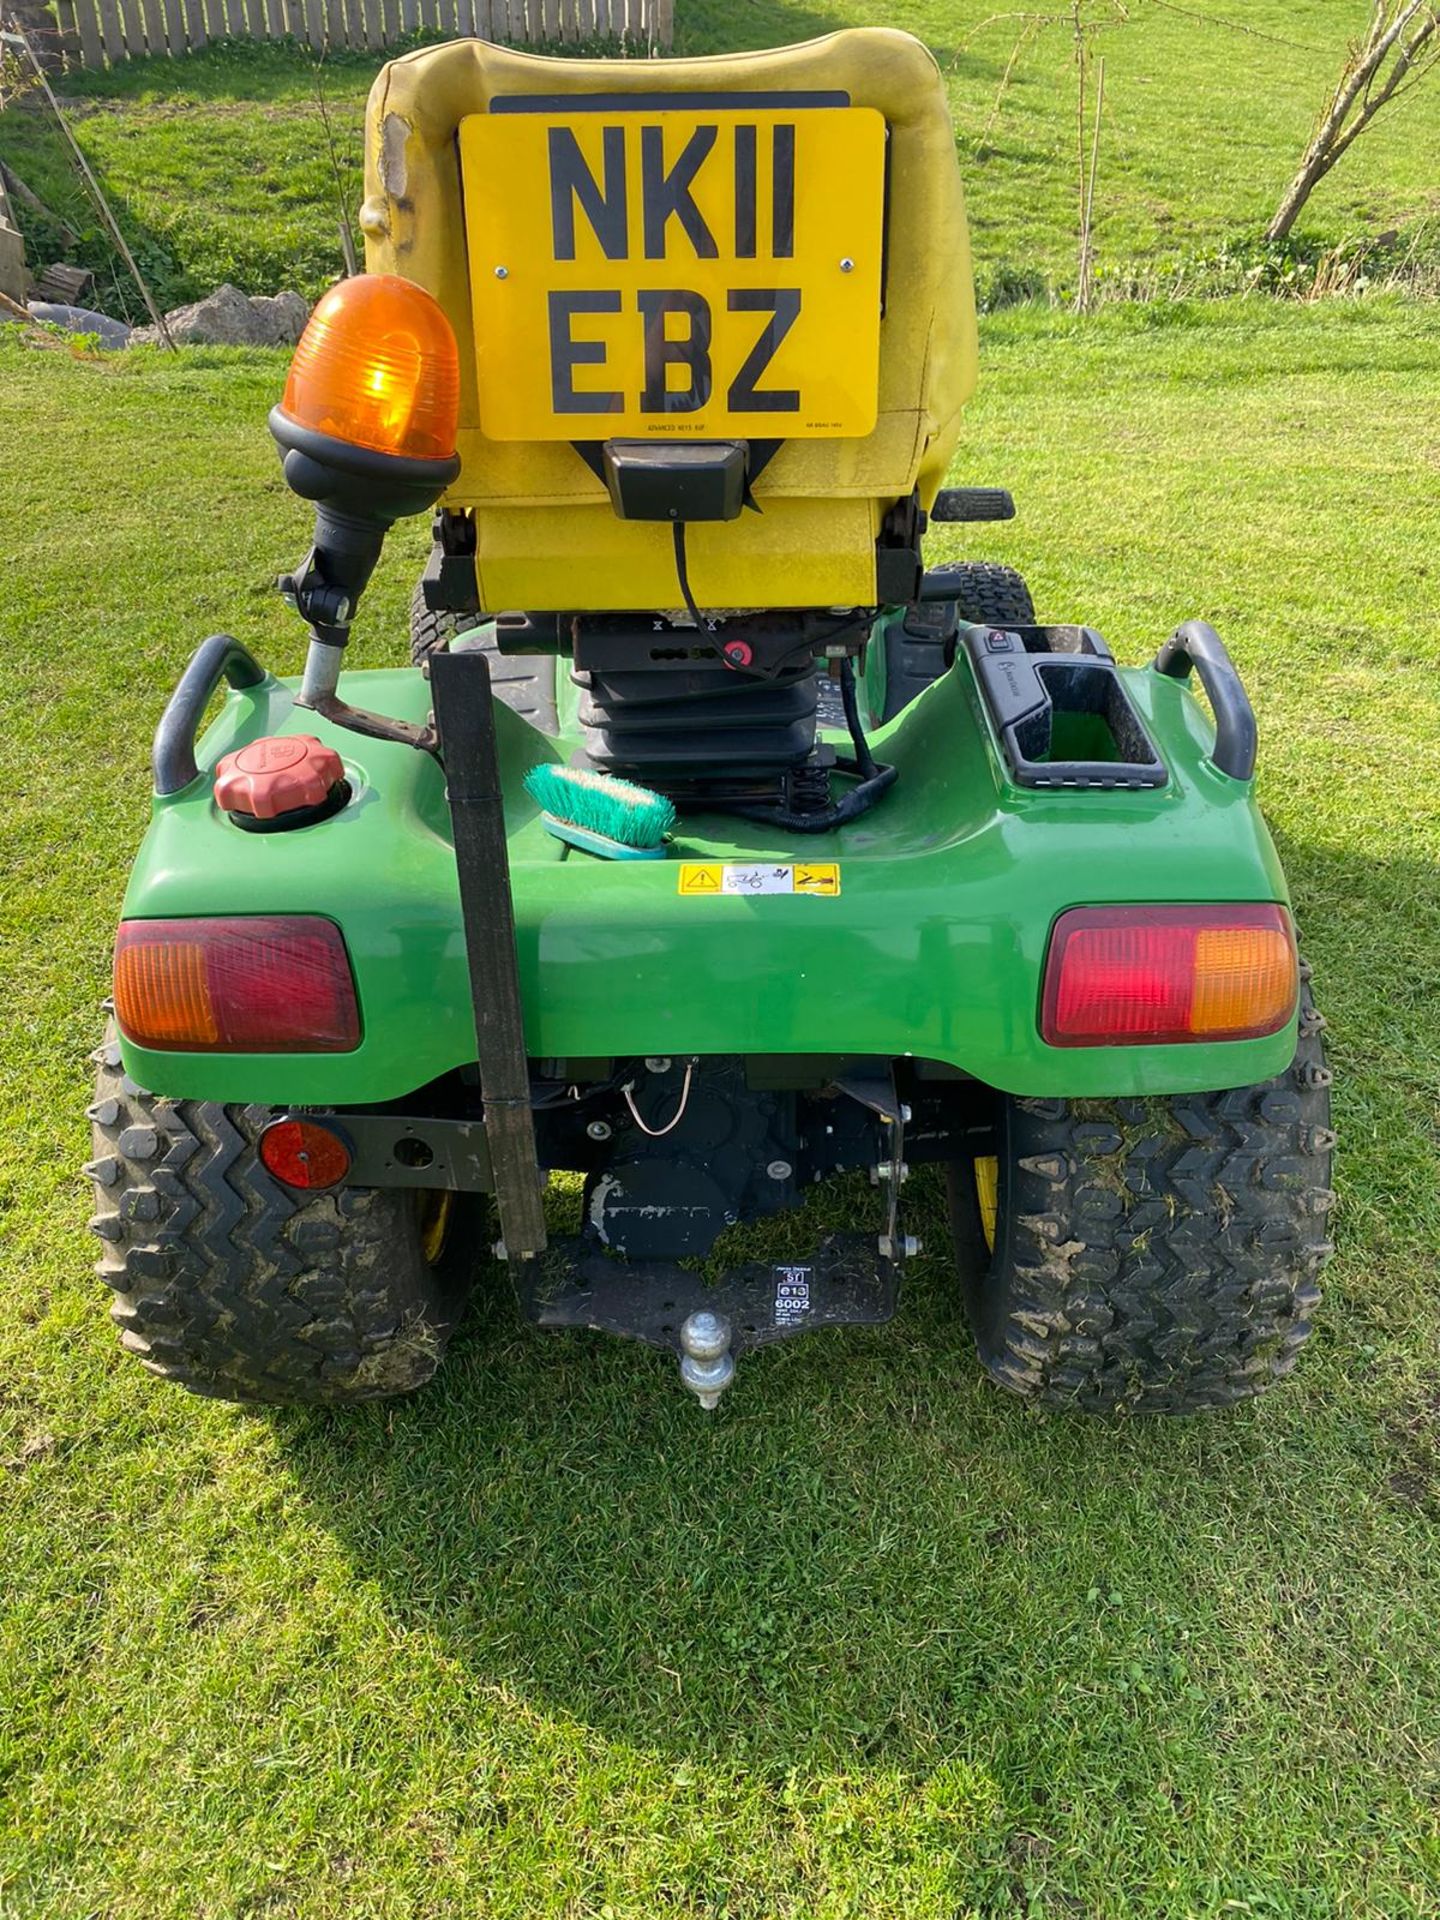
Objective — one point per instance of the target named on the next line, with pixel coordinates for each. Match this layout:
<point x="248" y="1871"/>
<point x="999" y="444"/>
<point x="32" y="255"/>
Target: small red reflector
<point x="302" y="1153"/>
<point x="1144" y="976"/>
<point x="276" y="983"/>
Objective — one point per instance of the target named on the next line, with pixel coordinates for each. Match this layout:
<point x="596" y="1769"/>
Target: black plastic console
<point x="1060" y="708"/>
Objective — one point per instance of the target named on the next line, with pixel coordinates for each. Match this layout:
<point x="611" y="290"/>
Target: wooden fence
<point x="100" y="32"/>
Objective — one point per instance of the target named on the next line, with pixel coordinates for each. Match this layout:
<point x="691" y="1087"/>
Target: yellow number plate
<point x="693" y="272"/>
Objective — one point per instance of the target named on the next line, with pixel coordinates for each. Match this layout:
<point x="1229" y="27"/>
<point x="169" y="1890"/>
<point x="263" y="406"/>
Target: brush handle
<point x="598" y="843"/>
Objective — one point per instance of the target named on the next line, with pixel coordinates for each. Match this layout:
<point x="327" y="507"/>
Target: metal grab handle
<point x="1196" y="644"/>
<point x="173" y="754"/>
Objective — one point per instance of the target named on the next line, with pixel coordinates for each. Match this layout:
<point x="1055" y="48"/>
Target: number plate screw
<point x="847" y="265"/>
<point x="502" y="273"/>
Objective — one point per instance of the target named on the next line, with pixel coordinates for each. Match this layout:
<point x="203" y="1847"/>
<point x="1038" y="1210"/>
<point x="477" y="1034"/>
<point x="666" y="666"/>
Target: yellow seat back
<point x="547" y="537"/>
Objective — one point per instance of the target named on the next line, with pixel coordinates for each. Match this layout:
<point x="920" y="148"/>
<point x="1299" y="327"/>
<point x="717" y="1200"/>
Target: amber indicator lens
<point x="276" y="983"/>
<point x="1133" y="976"/>
<point x="378" y="367"/>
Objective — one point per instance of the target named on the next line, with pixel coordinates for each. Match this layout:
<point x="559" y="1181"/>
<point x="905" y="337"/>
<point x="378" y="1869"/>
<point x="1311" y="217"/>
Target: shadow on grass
<point x="870" y="1558"/>
<point x="791" y="1581"/>
<point x="32" y="146"/>
<point x="719" y="26"/>
<point x="1370" y="927"/>
<point x="255" y="71"/>
<point x="205" y="188"/>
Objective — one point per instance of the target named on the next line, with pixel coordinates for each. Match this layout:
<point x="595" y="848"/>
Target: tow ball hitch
<point x="851" y="1279"/>
<point x="707" y="1365"/>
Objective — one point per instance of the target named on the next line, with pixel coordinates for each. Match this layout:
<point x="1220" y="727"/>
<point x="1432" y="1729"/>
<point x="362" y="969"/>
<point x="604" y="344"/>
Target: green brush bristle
<point x="601" y="804"/>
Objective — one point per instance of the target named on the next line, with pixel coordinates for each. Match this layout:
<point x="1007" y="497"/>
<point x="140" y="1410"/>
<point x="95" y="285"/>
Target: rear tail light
<point x="1139" y="976"/>
<point x="278" y="983"/>
<point x="304" y="1154"/>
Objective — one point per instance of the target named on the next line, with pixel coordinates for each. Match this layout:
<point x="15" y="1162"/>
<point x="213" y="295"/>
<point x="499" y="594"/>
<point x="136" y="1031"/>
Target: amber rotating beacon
<point x="366" y="431"/>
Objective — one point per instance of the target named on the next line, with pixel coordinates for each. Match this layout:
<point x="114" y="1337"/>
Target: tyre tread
<point x="525" y="682"/>
<point x="1158" y="1254"/>
<point x="237" y="1288"/>
<point x="986" y="594"/>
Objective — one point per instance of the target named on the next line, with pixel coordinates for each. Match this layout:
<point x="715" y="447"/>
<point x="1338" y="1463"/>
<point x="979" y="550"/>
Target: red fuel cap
<point x="279" y="774"/>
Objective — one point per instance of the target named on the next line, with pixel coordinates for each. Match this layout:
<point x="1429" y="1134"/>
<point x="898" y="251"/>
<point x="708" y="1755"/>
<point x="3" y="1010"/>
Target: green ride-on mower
<point x="710" y="846"/>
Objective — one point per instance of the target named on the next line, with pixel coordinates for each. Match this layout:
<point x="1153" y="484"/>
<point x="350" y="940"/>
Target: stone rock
<point x="283" y="315"/>
<point x="229" y="318"/>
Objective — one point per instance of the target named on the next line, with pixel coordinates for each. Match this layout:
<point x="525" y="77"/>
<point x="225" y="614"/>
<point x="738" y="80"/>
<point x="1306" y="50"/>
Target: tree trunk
<point x="1313" y="169"/>
<point x="1356" y="99"/>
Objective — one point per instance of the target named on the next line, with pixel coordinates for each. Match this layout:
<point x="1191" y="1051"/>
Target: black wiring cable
<point x="864" y="759"/>
<point x="566" y="1095"/>
<point x="682" y="572"/>
<point x="858" y="617"/>
<point x="872" y="778"/>
<point x="872" y="775"/>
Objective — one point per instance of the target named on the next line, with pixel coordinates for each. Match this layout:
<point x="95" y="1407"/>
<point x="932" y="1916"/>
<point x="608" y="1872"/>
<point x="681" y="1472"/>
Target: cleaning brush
<point x="600" y="814"/>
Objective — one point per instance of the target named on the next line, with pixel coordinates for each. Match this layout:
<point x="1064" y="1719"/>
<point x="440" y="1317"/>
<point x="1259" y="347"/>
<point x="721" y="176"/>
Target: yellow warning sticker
<point x="820" y="877"/>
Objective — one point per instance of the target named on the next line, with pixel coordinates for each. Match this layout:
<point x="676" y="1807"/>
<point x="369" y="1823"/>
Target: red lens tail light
<point x="277" y="983"/>
<point x="1144" y="976"/>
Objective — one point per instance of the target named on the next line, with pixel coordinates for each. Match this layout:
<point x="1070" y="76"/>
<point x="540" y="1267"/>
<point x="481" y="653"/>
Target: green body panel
<point x="934" y="948"/>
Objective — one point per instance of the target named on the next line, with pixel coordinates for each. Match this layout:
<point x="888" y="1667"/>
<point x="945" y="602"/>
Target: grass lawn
<point x="220" y="169"/>
<point x="875" y="1640"/>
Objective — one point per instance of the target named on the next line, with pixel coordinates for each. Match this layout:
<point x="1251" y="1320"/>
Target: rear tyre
<point x="524" y="681"/>
<point x="432" y="630"/>
<point x="916" y="654"/>
<point x="1159" y="1255"/>
<point x="239" y="1288"/>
